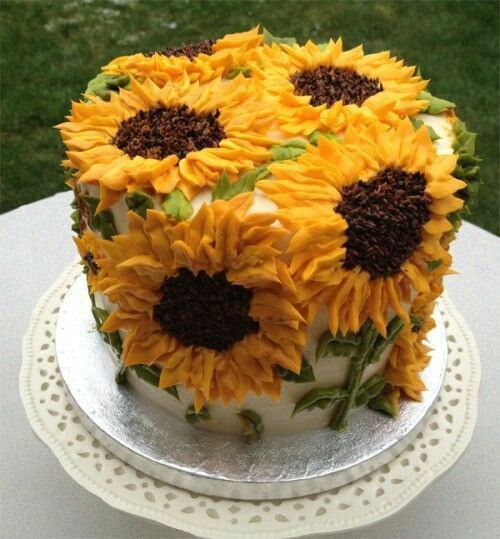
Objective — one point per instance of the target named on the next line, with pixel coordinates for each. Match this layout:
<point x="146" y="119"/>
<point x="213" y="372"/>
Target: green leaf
<point x="121" y="376"/>
<point x="416" y="321"/>
<point x="433" y="264"/>
<point x="222" y="188"/>
<point x="103" y="84"/>
<point x="113" y="338"/>
<point x="386" y="401"/>
<point x="314" y="136"/>
<point x="226" y="190"/>
<point x="151" y="375"/>
<point x="192" y="417"/>
<point x="177" y="206"/>
<point x="290" y="149"/>
<point x="100" y="316"/>
<point x="139" y="202"/>
<point x="253" y="427"/>
<point x="369" y="389"/>
<point x="455" y="220"/>
<point x="269" y="39"/>
<point x="103" y="221"/>
<point x="338" y="345"/>
<point x="417" y="124"/>
<point x="467" y="168"/>
<point x="435" y="105"/>
<point x="321" y="397"/>
<point x="381" y="344"/>
<point x="306" y="373"/>
<point x="245" y="71"/>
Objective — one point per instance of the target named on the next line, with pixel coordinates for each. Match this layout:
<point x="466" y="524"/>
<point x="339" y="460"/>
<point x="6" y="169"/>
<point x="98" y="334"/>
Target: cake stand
<point x="427" y="447"/>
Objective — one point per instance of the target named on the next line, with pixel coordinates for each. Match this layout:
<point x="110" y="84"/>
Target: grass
<point x="50" y="49"/>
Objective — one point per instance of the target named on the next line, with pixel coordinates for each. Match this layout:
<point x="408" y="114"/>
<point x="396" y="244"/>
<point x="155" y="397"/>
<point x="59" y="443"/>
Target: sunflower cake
<point x="265" y="226"/>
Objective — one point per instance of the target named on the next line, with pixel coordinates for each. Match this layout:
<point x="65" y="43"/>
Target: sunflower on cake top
<point x="265" y="226"/>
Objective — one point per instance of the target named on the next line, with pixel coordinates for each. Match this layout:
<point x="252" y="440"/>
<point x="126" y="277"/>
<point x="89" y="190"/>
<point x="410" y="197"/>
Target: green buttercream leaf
<point x="455" y="220"/>
<point x="416" y="322"/>
<point x="177" y="206"/>
<point x="314" y="136"/>
<point x="467" y="169"/>
<point x="192" y="417"/>
<point x="338" y="345"/>
<point x="139" y="202"/>
<point x="151" y="375"/>
<point x="319" y="398"/>
<point x="381" y="344"/>
<point x="435" y="105"/>
<point x="245" y="71"/>
<point x="290" y="149"/>
<point x="433" y="264"/>
<point x="387" y="402"/>
<point x="113" y="338"/>
<point x="226" y="190"/>
<point x="253" y="427"/>
<point x="269" y="39"/>
<point x="121" y="376"/>
<point x="105" y="83"/>
<point x="306" y="373"/>
<point x="222" y="187"/>
<point x="417" y="124"/>
<point x="103" y="221"/>
<point x="369" y="389"/>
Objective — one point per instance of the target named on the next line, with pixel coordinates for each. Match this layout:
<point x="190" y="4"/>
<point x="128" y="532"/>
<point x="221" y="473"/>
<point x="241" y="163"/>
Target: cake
<point x="265" y="226"/>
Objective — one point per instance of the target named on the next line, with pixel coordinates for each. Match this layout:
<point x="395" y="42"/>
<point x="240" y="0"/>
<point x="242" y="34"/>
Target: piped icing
<point x="301" y="198"/>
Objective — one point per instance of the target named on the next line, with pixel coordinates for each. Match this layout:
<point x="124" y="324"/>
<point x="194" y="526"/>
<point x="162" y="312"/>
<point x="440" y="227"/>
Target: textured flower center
<point x="200" y="310"/>
<point x="160" y="132"/>
<point x="191" y="50"/>
<point x="327" y="85"/>
<point x="90" y="262"/>
<point x="385" y="217"/>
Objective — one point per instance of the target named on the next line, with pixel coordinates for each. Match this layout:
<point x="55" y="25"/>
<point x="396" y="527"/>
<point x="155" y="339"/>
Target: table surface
<point x="40" y="500"/>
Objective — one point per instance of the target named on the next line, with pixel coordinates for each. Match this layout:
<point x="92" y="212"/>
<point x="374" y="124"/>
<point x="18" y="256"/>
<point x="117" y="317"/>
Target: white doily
<point x="371" y="498"/>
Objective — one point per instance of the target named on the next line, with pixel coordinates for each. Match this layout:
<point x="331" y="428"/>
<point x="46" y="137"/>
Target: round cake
<point x="265" y="226"/>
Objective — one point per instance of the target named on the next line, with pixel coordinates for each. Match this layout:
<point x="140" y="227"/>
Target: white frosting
<point x="443" y="127"/>
<point x="329" y="372"/>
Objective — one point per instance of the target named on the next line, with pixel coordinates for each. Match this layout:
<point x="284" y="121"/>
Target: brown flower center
<point x="200" y="310"/>
<point x="190" y="50"/>
<point x="90" y="262"/>
<point x="385" y="217"/>
<point x="160" y="132"/>
<point x="327" y="85"/>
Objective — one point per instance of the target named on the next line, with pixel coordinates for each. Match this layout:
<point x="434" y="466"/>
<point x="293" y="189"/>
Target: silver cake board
<point x="169" y="449"/>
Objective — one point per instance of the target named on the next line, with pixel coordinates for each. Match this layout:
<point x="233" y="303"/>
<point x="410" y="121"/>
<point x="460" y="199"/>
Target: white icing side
<point x="276" y="415"/>
<point x="443" y="127"/>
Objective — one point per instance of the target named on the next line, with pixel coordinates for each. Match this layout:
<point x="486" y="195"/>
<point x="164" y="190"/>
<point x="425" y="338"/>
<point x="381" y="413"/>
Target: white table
<point x="38" y="499"/>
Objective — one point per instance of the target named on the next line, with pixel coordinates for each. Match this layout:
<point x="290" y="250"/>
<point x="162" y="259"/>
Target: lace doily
<point x="371" y="498"/>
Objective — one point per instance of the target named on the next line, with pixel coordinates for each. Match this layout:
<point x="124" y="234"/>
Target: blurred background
<point x="50" y="49"/>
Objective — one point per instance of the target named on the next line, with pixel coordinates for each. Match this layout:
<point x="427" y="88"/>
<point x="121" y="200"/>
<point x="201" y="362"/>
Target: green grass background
<point x="50" y="49"/>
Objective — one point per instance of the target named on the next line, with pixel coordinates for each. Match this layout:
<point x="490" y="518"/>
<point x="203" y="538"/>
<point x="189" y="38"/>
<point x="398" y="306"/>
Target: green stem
<point x="339" y="421"/>
<point x="359" y="364"/>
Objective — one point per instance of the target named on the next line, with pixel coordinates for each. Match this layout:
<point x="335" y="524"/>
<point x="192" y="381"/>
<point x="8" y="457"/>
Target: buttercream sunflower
<point x="369" y="218"/>
<point x="97" y="266"/>
<point x="321" y="87"/>
<point x="207" y="300"/>
<point x="156" y="139"/>
<point x="203" y="61"/>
